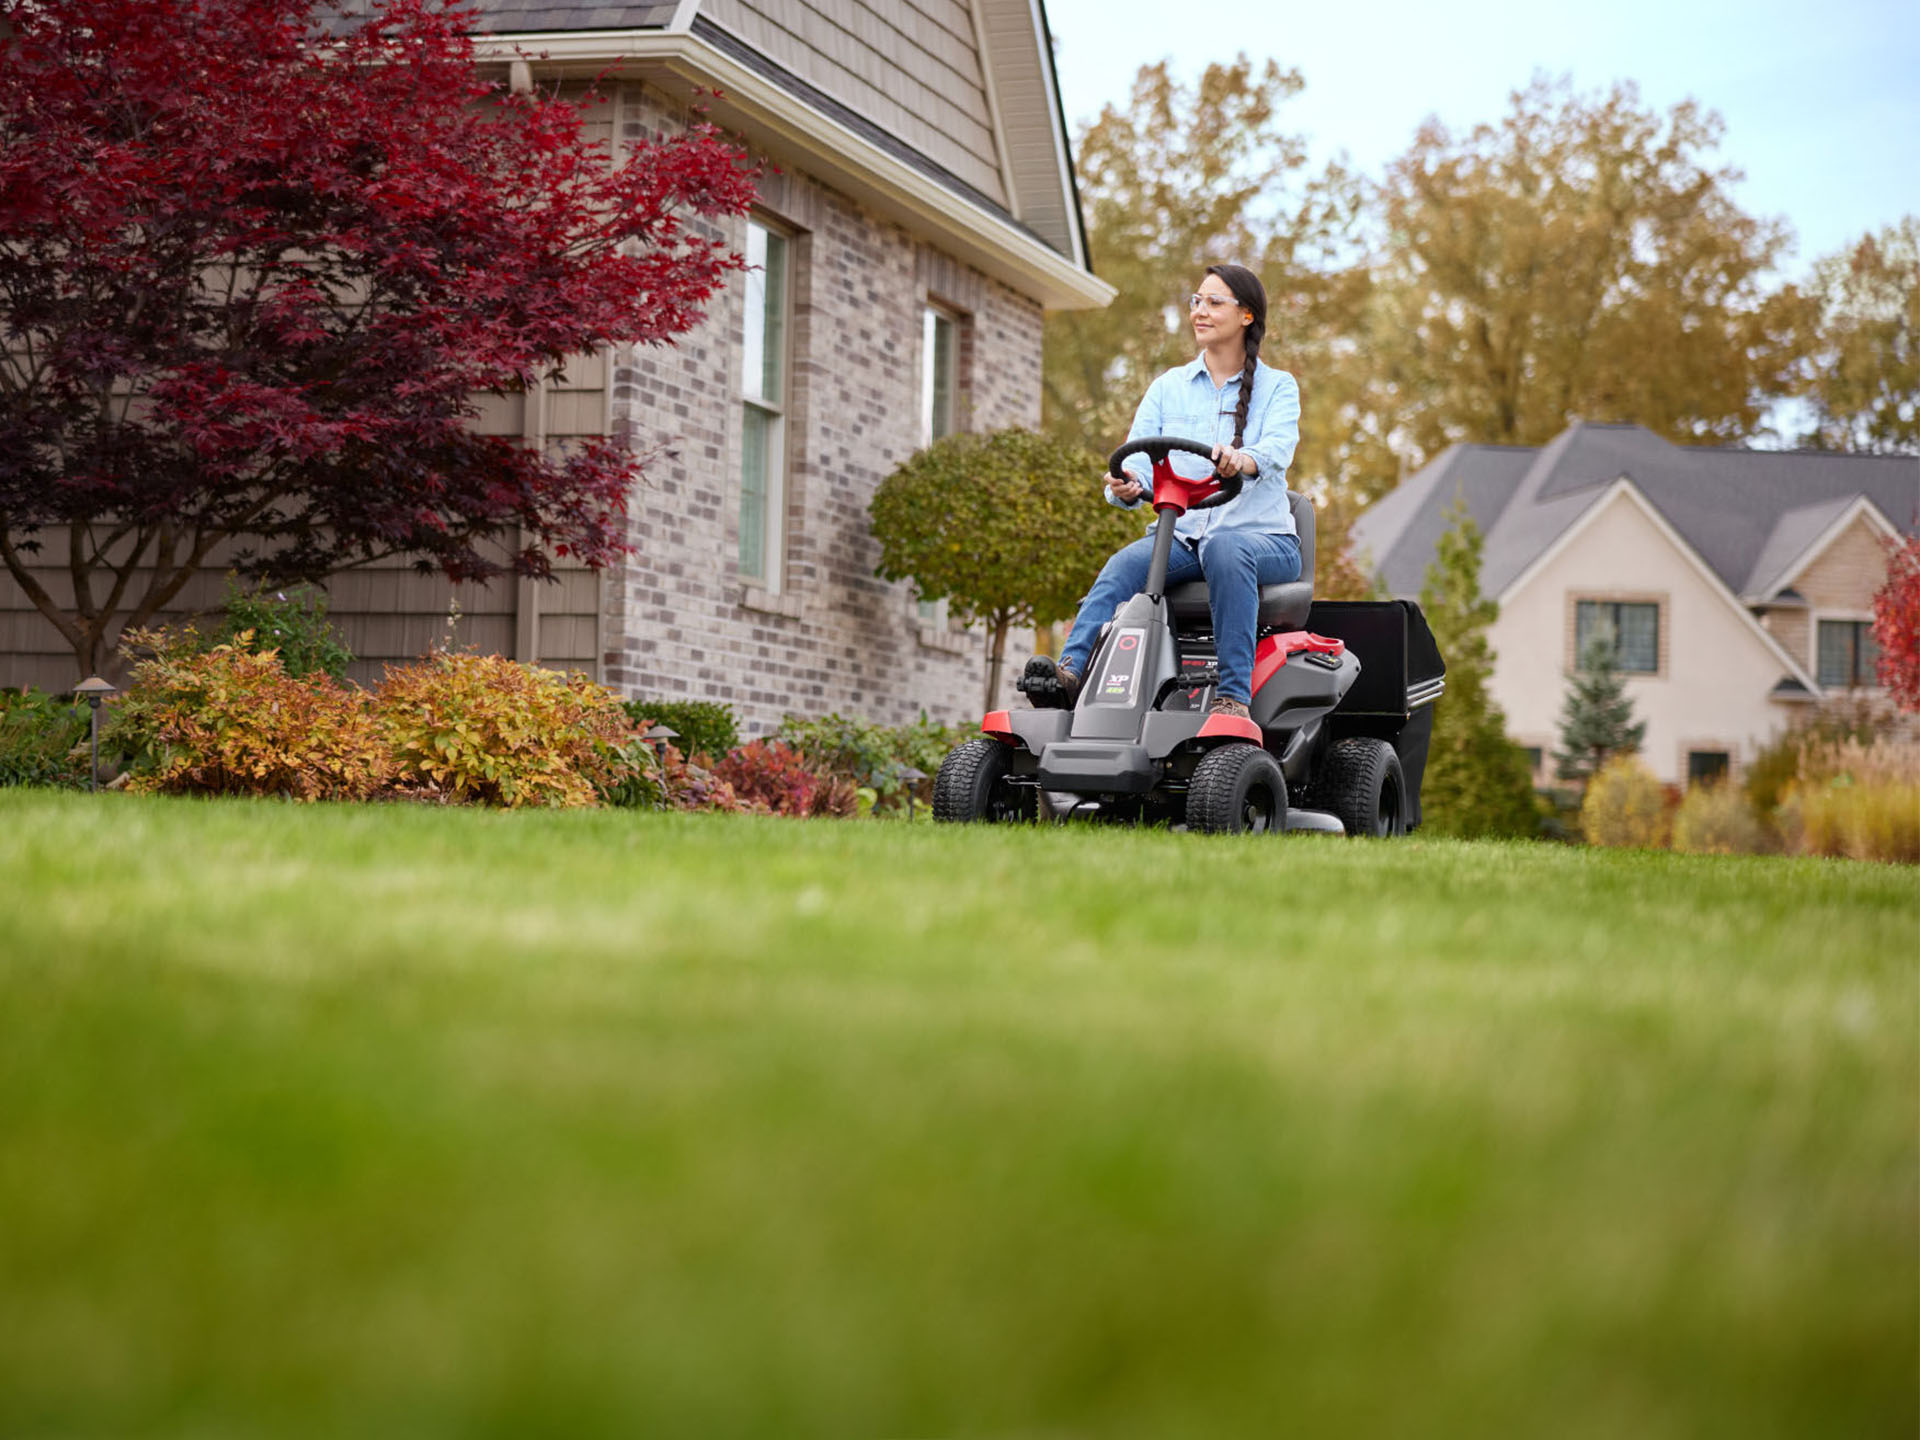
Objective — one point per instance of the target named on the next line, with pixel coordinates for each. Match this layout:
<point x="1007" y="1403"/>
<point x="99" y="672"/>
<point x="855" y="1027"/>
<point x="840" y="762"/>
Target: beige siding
<point x="912" y="68"/>
<point x="1713" y="691"/>
<point x="1845" y="574"/>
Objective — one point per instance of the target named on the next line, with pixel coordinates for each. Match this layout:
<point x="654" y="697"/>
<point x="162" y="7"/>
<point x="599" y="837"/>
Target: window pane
<point x="1867" y="651"/>
<point x="773" y="370"/>
<point x="753" y="347"/>
<point x="936" y="377"/>
<point x="1588" y="616"/>
<point x="763" y="340"/>
<point x="1836" y="652"/>
<point x="1705" y="766"/>
<point x="756" y="453"/>
<point x="1638" y="627"/>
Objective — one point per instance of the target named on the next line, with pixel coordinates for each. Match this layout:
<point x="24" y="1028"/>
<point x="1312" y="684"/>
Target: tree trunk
<point x="996" y="655"/>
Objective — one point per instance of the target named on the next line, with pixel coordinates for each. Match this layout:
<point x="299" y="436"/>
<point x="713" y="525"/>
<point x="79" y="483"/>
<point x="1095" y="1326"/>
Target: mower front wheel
<point x="972" y="786"/>
<point x="1237" y="789"/>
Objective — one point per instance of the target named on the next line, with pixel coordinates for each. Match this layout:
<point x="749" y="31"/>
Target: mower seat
<point x="1282" y="607"/>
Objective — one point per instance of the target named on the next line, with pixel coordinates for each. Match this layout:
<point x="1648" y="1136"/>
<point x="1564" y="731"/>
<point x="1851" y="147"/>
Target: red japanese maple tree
<point x="256" y="261"/>
<point x="1896" y="624"/>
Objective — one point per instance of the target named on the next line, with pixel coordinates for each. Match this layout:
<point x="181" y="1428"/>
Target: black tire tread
<point x="1349" y="776"/>
<point x="963" y="790"/>
<point x="1212" y="803"/>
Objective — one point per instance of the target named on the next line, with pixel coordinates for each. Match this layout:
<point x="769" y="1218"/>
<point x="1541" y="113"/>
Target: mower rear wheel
<point x="972" y="786"/>
<point x="1360" y="781"/>
<point x="1237" y="789"/>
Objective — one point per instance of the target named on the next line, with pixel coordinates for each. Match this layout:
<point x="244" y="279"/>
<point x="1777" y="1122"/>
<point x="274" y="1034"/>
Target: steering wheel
<point x="1157" y="447"/>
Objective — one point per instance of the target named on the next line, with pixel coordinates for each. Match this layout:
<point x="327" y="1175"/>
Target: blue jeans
<point x="1234" y="563"/>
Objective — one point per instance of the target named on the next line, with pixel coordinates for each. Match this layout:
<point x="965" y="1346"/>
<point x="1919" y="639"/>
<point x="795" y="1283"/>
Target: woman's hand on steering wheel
<point x="1125" y="491"/>
<point x="1226" y="461"/>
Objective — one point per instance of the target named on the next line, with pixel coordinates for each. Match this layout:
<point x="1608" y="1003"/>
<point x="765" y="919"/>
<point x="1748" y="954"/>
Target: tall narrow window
<point x="1848" y="655"/>
<point x="763" y="384"/>
<point x="1635" y="630"/>
<point x="938" y="364"/>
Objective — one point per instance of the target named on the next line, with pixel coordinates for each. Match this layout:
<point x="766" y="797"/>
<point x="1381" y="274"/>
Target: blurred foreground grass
<point x="401" y="1122"/>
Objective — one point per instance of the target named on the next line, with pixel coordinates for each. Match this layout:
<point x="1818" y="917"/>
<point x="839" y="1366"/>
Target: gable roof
<point x="1747" y="514"/>
<point x="815" y="81"/>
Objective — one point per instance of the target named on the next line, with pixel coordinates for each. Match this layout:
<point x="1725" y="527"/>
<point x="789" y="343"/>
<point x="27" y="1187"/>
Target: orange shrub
<point x="1625" y="806"/>
<point x="487" y="730"/>
<point x="230" y="722"/>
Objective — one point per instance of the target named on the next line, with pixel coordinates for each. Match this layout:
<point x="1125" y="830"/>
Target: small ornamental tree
<point x="1596" y="718"/>
<point x="258" y="259"/>
<point x="1896" y="624"/>
<point x="1009" y="528"/>
<point x="1476" y="781"/>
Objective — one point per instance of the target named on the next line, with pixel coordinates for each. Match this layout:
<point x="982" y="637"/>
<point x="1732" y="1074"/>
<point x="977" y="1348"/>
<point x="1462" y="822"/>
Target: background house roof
<point x="1749" y="514"/>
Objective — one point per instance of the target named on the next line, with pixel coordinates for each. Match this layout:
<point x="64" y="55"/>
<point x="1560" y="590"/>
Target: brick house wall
<point x="677" y="619"/>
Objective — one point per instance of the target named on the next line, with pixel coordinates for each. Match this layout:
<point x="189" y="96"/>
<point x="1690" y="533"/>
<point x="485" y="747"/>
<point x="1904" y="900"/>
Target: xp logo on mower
<point x="1120" y="680"/>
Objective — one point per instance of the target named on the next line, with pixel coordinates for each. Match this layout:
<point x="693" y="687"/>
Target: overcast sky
<point x="1821" y="102"/>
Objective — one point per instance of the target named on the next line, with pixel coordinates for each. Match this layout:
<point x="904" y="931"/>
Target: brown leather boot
<point x="1229" y="707"/>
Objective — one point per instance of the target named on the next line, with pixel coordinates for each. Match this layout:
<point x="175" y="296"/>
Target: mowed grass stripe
<point x="404" y="1121"/>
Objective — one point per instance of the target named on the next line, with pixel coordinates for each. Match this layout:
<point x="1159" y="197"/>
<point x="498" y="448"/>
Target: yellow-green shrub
<point x="1857" y="800"/>
<point x="485" y="729"/>
<point x="1717" y="820"/>
<point x="232" y="722"/>
<point x="1625" y="806"/>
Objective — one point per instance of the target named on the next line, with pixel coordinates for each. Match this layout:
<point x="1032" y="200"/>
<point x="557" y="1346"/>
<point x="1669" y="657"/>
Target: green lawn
<point x="409" y="1122"/>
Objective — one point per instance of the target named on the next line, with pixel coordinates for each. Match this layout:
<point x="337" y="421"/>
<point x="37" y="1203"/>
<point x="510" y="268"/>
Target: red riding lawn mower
<point x="1342" y="711"/>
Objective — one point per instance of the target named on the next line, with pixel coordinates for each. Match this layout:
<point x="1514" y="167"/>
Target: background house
<point x="917" y="218"/>
<point x="1738" y="583"/>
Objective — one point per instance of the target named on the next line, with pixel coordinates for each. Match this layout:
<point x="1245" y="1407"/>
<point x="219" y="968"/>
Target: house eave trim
<point x="780" y="121"/>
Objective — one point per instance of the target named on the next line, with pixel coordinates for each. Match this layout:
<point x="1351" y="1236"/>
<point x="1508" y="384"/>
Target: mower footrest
<point x="1102" y="765"/>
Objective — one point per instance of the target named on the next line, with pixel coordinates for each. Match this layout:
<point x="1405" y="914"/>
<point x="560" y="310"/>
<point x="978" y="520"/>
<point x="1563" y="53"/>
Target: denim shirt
<point x="1185" y="402"/>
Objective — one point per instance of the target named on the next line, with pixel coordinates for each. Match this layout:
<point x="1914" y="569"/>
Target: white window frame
<point x="750" y="397"/>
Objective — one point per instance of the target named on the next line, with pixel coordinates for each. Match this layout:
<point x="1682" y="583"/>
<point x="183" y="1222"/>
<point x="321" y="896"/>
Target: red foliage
<point x="772" y="774"/>
<point x="255" y="274"/>
<point x="1896" y="624"/>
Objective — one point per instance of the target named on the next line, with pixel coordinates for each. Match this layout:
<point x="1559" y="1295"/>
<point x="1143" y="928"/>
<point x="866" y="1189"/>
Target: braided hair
<point x="1252" y="296"/>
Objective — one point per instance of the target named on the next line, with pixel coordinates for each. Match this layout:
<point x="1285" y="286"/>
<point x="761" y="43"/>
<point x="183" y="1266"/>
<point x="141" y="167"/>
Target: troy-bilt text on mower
<point x="1341" y="714"/>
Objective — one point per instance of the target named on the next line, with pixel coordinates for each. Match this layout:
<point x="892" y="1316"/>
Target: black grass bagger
<point x="1342" y="711"/>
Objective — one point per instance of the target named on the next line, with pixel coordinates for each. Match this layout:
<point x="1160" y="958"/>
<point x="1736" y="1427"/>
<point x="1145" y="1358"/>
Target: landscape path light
<point x="659" y="735"/>
<point x="913" y="777"/>
<point x="96" y="690"/>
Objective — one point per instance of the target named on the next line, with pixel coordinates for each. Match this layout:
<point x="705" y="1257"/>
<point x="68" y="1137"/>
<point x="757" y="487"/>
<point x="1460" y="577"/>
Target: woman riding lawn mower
<point x="1208" y="698"/>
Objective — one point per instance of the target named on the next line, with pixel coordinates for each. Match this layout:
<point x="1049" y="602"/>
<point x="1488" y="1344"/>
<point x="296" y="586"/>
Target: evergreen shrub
<point x="43" y="739"/>
<point x="291" y="622"/>
<point x="703" y="727"/>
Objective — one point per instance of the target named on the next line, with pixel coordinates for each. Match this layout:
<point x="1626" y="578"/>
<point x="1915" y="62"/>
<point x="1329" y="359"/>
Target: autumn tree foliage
<point x="256" y="260"/>
<point x="1582" y="258"/>
<point x="1896" y="625"/>
<point x="1862" y="374"/>
<point x="1009" y="528"/>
